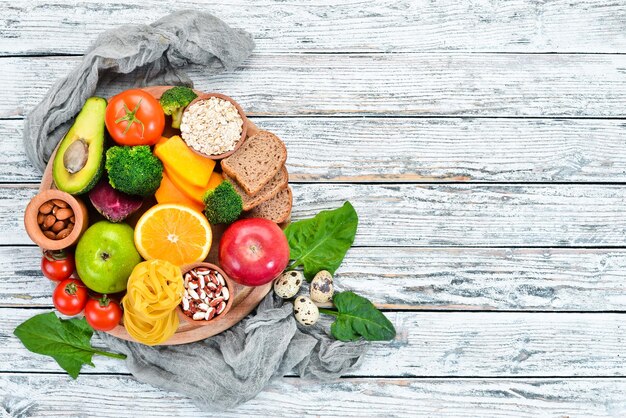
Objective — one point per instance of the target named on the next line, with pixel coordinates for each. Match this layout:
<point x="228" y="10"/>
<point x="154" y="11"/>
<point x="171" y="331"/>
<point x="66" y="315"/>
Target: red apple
<point x="253" y="251"/>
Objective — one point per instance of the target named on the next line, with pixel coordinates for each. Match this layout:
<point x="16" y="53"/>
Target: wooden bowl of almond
<point x="54" y="220"/>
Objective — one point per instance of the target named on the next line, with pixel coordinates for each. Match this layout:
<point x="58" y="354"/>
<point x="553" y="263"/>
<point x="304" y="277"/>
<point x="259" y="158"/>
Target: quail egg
<point x="322" y="287"/>
<point x="305" y="311"/>
<point x="288" y="284"/>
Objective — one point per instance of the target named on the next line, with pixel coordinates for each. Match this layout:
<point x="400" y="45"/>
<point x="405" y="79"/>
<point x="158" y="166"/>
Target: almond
<point x="63" y="234"/>
<point x="46" y="208"/>
<point x="60" y="203"/>
<point x="63" y="214"/>
<point x="58" y="226"/>
<point x="48" y="221"/>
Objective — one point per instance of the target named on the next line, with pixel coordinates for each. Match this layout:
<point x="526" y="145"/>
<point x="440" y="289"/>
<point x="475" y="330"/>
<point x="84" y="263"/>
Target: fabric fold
<point x="230" y="368"/>
<point x="152" y="54"/>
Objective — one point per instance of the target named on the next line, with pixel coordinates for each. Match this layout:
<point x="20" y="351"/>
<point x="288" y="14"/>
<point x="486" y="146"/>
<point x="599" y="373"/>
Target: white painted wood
<point x="445" y="67"/>
<point x="423" y="278"/>
<point x="57" y="396"/>
<point x="426" y="84"/>
<point x="437" y="215"/>
<point x="433" y="344"/>
<point x="42" y="27"/>
<point x="420" y="150"/>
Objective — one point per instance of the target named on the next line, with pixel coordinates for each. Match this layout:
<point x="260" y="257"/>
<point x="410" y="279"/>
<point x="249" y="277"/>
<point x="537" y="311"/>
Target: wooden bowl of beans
<point x="55" y="220"/>
<point x="209" y="294"/>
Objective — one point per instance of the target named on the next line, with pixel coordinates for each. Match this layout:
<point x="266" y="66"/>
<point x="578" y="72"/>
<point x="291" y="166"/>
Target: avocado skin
<point x="89" y="126"/>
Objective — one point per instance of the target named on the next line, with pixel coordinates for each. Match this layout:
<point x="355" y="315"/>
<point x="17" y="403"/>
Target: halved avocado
<point x="79" y="161"/>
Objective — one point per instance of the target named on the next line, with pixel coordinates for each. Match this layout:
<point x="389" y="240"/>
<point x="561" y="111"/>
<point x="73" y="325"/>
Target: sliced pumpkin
<point x="185" y="163"/>
<point x="169" y="193"/>
<point x="214" y="181"/>
<point x="195" y="193"/>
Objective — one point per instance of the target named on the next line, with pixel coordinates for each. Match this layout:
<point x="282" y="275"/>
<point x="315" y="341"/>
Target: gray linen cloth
<point x="232" y="367"/>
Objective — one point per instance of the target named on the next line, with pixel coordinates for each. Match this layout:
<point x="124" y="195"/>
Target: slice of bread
<point x="271" y="189"/>
<point x="255" y="163"/>
<point x="277" y="209"/>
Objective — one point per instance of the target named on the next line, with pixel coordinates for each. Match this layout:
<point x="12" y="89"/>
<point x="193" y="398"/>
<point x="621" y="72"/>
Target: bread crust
<point x="279" y="182"/>
<point x="277" y="209"/>
<point x="234" y="165"/>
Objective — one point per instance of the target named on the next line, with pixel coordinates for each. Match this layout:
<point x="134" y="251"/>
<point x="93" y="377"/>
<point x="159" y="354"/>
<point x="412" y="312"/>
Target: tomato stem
<point x="71" y="288"/>
<point x="131" y="117"/>
<point x="55" y="255"/>
<point x="104" y="301"/>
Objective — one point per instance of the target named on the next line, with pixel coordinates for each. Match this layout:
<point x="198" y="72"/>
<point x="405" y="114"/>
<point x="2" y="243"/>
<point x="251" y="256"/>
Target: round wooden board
<point x="246" y="298"/>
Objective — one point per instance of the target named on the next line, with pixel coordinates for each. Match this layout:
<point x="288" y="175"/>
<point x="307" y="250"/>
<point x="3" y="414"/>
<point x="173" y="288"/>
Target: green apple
<point x="105" y="256"/>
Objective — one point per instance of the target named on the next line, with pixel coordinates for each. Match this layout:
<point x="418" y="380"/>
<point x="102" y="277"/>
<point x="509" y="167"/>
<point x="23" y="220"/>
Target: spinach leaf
<point x="321" y="242"/>
<point x="68" y="341"/>
<point x="358" y="317"/>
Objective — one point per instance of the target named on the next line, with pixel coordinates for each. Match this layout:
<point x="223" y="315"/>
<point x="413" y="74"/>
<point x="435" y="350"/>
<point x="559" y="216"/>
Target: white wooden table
<point x="483" y="145"/>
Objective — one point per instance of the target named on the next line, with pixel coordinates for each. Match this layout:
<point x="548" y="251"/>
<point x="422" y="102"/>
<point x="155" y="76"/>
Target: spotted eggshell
<point x="322" y="287"/>
<point x="305" y="311"/>
<point x="288" y="284"/>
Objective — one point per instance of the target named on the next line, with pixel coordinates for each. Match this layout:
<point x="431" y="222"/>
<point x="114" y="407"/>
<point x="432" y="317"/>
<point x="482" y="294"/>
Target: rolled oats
<point x="212" y="126"/>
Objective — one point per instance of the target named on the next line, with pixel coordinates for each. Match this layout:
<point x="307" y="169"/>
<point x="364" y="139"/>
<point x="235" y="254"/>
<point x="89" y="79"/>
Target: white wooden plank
<point x="432" y="344"/>
<point x="420" y="150"/>
<point x="438" y="215"/>
<point x="423" y="278"/>
<point x="122" y="396"/>
<point x="42" y="27"/>
<point x="395" y="84"/>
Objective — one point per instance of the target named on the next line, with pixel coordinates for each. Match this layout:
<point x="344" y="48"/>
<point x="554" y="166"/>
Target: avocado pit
<point x="76" y="156"/>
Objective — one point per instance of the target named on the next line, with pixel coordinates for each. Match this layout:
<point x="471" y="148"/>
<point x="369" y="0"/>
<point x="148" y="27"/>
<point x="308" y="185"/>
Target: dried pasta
<point x="155" y="288"/>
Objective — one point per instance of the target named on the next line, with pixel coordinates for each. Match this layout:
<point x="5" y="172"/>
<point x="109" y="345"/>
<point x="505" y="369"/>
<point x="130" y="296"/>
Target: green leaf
<point x="321" y="242"/>
<point x="358" y="317"/>
<point x="66" y="341"/>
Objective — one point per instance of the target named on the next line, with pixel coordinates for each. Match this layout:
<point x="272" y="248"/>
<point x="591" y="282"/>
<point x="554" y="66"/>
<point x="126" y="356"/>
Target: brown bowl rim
<point x="244" y="129"/>
<point x="36" y="234"/>
<point x="229" y="285"/>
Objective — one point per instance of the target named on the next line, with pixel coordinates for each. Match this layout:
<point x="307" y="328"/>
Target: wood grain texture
<point x="44" y="27"/>
<point x="445" y="106"/>
<point x="429" y="84"/>
<point x="423" y="278"/>
<point x="438" y="215"/>
<point x="434" y="344"/>
<point x="59" y="396"/>
<point x="420" y="150"/>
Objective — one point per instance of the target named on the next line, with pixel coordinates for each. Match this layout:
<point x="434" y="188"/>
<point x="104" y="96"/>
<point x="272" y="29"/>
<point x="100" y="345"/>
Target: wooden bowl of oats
<point x="214" y="125"/>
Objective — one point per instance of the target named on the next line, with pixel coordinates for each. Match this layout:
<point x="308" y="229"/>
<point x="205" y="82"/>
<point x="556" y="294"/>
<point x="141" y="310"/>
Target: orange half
<point x="174" y="233"/>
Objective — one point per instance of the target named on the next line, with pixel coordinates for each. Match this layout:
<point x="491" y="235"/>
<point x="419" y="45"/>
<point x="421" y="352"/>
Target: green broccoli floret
<point x="134" y="170"/>
<point x="223" y="204"/>
<point x="174" y="101"/>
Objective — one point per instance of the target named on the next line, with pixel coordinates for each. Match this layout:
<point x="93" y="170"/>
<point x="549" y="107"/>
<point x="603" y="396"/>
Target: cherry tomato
<point x="134" y="117"/>
<point x="103" y="314"/>
<point x="57" y="265"/>
<point x="70" y="297"/>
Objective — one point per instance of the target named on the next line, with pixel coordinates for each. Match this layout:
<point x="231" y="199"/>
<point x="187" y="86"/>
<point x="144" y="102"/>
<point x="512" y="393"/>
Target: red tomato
<point x="70" y="297"/>
<point x="253" y="251"/>
<point x="134" y="117"/>
<point x="57" y="265"/>
<point x="103" y="314"/>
